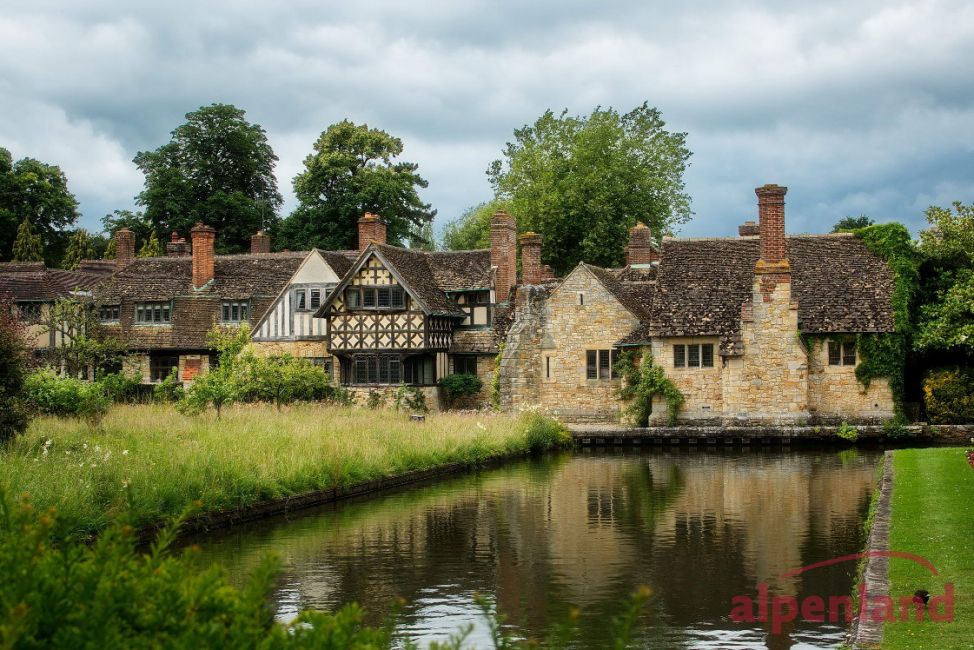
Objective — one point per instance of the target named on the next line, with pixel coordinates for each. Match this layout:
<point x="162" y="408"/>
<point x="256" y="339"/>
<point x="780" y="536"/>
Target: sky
<point x="862" y="107"/>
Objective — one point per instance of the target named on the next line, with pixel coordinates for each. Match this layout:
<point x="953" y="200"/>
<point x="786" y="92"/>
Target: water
<point x="539" y="537"/>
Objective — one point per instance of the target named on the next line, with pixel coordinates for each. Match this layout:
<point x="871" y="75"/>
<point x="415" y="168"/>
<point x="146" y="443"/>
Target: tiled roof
<point x="339" y="261"/>
<point x="459" y="270"/>
<point x="34" y="281"/>
<point x="702" y="283"/>
<point x="420" y="271"/>
<point x="637" y="297"/>
<point x="474" y="342"/>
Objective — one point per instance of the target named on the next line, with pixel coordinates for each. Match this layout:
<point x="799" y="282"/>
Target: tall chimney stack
<point x="640" y="249"/>
<point x="749" y="229"/>
<point x="260" y="242"/>
<point x="531" y="270"/>
<point x="177" y="246"/>
<point x="371" y="228"/>
<point x="771" y="214"/>
<point x="503" y="253"/>
<point x="203" y="238"/>
<point x="124" y="248"/>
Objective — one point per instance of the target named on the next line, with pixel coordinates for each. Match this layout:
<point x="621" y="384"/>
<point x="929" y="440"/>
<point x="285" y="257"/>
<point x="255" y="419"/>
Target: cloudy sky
<point x="859" y="107"/>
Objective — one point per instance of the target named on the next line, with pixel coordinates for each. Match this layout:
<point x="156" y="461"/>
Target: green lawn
<point x="153" y="461"/>
<point x="933" y="516"/>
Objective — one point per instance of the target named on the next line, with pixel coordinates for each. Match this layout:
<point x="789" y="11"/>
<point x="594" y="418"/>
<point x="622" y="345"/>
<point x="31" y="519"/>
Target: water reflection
<point x="538" y="537"/>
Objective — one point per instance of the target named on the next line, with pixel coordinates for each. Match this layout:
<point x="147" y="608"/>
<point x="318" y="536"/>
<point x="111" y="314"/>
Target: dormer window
<point x="152" y="313"/>
<point x="109" y="313"/>
<point x="235" y="311"/>
<point x="315" y="298"/>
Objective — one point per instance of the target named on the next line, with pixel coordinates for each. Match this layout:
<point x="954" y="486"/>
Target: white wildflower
<point x="480" y="425"/>
<point x="93" y="466"/>
<point x="85" y="446"/>
<point x="47" y="442"/>
<point x="97" y="448"/>
<point x="125" y="452"/>
<point x="108" y="454"/>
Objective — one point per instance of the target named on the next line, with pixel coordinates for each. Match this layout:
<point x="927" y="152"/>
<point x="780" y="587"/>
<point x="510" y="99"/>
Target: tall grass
<point x="152" y="462"/>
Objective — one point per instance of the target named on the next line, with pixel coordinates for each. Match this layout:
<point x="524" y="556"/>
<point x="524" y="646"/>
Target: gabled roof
<point x="840" y="286"/>
<point x="426" y="276"/>
<point x="33" y="281"/>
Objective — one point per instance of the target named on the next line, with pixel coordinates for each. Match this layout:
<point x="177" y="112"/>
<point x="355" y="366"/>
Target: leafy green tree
<point x="27" y="246"/>
<point x="471" y="231"/>
<point x="82" y="346"/>
<point x="582" y="182"/>
<point x="849" y="224"/>
<point x="423" y="239"/>
<point x="14" y="362"/>
<point x="80" y="247"/>
<point x="137" y="222"/>
<point x="352" y="170"/>
<point x="218" y="168"/>
<point x="151" y="247"/>
<point x="37" y="192"/>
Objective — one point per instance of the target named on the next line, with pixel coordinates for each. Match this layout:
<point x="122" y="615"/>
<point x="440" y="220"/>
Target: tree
<point x="151" y="247"/>
<point x="582" y="182"/>
<point x="423" y="239"/>
<point x="37" y="192"/>
<point x="134" y="221"/>
<point x="14" y="362"/>
<point x="352" y="170"/>
<point x="27" y="246"/>
<point x="81" y="346"/>
<point x="472" y="229"/>
<point x="218" y="168"/>
<point x="849" y="224"/>
<point x="80" y="247"/>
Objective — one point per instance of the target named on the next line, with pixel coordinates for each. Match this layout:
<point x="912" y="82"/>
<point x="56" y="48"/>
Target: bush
<point x="50" y="394"/>
<point x="641" y="382"/>
<point x="410" y="398"/>
<point x="895" y="427"/>
<point x="543" y="432"/>
<point x="169" y="390"/>
<point x="376" y="399"/>
<point x="218" y="388"/>
<point x="121" y="387"/>
<point x="949" y="396"/>
<point x="847" y="432"/>
<point x="460" y="385"/>
<point x="14" y="361"/>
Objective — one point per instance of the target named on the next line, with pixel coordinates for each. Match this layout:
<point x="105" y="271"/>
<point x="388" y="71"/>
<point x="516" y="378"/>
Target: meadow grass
<point x="153" y="462"/>
<point x="933" y="516"/>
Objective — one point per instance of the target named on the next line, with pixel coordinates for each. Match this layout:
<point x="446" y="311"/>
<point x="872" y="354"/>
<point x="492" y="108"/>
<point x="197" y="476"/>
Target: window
<point x="325" y="363"/>
<point x="465" y="365"/>
<point x="392" y="297"/>
<point x="235" y="312"/>
<point x="160" y="366"/>
<point x="300" y="299"/>
<point x="600" y="364"/>
<point x="29" y="311"/>
<point x="151" y="313"/>
<point x="353" y="298"/>
<point x="383" y="298"/>
<point x="419" y="370"/>
<point x="547" y="367"/>
<point x="315" y="298"/>
<point x="842" y="353"/>
<point x="696" y="355"/>
<point x="581" y="298"/>
<point x="398" y="298"/>
<point x="377" y="369"/>
<point x="108" y="313"/>
<point x="368" y="298"/>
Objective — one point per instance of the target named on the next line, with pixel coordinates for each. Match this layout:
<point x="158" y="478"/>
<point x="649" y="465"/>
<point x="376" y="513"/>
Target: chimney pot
<point x="371" y="228"/>
<point x="503" y="254"/>
<point x="771" y="215"/>
<point x="749" y="229"/>
<point x="260" y="242"/>
<point x="203" y="237"/>
<point x="640" y="249"/>
<point x="124" y="248"/>
<point x="531" y="258"/>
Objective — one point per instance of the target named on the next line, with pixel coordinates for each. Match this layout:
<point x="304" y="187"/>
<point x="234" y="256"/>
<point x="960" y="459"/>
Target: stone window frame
<point x="842" y="353"/>
<point x="600" y="364"/>
<point x="693" y="356"/>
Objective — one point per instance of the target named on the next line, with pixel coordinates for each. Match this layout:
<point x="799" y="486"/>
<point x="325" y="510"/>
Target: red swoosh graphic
<point x="858" y="556"/>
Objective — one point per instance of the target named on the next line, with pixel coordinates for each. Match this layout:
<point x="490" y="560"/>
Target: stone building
<point x="727" y="319"/>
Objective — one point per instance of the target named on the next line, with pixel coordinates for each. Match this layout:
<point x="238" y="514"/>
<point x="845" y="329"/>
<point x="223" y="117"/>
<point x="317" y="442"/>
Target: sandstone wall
<point x="486" y="369"/>
<point x="701" y="387"/>
<point x="835" y="393"/>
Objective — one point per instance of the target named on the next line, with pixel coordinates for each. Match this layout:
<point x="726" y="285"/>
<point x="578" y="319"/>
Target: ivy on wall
<point x="641" y="382"/>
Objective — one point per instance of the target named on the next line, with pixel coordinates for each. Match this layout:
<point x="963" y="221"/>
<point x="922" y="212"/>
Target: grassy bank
<point x="154" y="461"/>
<point x="933" y="516"/>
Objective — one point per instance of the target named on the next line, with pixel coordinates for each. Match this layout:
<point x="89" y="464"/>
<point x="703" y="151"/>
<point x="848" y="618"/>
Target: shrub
<point x="641" y="382"/>
<point x="410" y="398"/>
<point x="895" y="427"/>
<point x="847" y="432"/>
<point x="376" y="399"/>
<point x="14" y="361"/>
<point x="543" y="432"/>
<point x="120" y="387"/>
<point x="287" y="379"/>
<point x="169" y="390"/>
<point x="460" y="385"/>
<point x="50" y="394"/>
<point x="949" y="396"/>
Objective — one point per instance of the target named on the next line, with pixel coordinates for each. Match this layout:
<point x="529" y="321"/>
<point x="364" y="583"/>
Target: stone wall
<point x="520" y="362"/>
<point x="360" y="395"/>
<point x="701" y="387"/>
<point x="486" y="369"/>
<point x="571" y="327"/>
<point x="835" y="393"/>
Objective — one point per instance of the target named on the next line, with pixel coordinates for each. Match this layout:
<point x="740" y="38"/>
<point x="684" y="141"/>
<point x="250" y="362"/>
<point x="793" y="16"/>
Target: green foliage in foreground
<point x="109" y="595"/>
<point x="14" y="362"/>
<point x="933" y="516"/>
<point x="641" y="382"/>
<point x="253" y="454"/>
<point x="51" y="394"/>
<point x="459" y="385"/>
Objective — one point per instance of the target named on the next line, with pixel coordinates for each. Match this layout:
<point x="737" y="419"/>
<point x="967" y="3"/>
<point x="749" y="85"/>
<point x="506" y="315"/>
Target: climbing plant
<point x="495" y="384"/>
<point x="641" y="382"/>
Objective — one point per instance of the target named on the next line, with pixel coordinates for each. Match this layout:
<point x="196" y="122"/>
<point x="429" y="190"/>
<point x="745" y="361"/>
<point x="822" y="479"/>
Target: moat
<point x="539" y="537"/>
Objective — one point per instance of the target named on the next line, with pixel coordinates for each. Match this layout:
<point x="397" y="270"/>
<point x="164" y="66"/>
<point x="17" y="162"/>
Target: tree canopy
<point x="37" y="192"/>
<point x="583" y="181"/>
<point x="27" y="246"/>
<point x="218" y="168"/>
<point x="471" y="230"/>
<point x="81" y="246"/>
<point x="850" y="224"/>
<point x="353" y="170"/>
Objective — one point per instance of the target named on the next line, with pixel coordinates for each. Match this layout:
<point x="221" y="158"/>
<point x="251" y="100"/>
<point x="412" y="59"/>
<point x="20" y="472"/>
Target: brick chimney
<point x="503" y="253"/>
<point x="124" y="248"/>
<point x="640" y="249"/>
<point x="203" y="238"/>
<point x="531" y="271"/>
<point x="371" y="228"/>
<point x="749" y="229"/>
<point x="260" y="242"/>
<point x="177" y="246"/>
<point x="771" y="213"/>
<point x="547" y="273"/>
